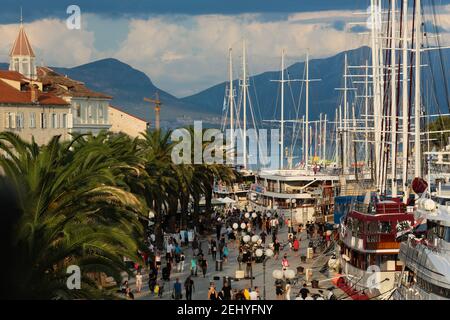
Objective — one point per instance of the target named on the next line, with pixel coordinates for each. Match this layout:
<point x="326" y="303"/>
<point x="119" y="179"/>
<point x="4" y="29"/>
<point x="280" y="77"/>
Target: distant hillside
<point x="323" y="96"/>
<point x="129" y="86"/>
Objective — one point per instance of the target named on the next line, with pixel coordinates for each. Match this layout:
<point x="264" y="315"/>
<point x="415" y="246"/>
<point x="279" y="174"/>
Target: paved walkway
<point x="229" y="269"/>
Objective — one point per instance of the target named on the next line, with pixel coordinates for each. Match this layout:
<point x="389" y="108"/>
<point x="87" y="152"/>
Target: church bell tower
<point x="22" y="58"/>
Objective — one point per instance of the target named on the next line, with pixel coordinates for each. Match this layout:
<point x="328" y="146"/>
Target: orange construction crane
<point x="158" y="105"/>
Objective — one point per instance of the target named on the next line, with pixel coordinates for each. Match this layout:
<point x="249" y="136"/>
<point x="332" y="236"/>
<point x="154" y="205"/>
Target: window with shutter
<point x="7" y="120"/>
<point x="20" y="120"/>
<point x="32" y="120"/>
<point x="54" y="120"/>
<point x="64" y="120"/>
<point x="43" y="120"/>
<point x="13" y="120"/>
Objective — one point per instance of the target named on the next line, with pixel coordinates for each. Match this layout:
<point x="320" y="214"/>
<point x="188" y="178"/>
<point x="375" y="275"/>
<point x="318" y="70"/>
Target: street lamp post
<point x="268" y="253"/>
<point x="251" y="243"/>
<point x="242" y="227"/>
<point x="287" y="274"/>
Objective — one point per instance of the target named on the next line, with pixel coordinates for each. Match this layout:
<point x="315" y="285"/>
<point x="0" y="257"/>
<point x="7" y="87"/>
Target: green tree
<point x="74" y="210"/>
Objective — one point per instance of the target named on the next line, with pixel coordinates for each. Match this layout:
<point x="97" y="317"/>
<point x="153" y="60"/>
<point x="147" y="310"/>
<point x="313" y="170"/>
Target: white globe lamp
<point x="259" y="253"/>
<point x="277" y="274"/>
<point x="269" y="252"/>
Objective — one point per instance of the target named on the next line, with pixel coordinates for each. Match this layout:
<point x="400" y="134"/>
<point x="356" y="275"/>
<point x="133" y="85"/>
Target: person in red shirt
<point x="296" y="244"/>
<point x="285" y="262"/>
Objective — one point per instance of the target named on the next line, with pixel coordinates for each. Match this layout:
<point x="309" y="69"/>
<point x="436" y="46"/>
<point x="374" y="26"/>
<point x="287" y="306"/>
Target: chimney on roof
<point x="34" y="93"/>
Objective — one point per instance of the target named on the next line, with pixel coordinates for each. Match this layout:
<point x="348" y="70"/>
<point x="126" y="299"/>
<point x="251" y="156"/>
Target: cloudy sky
<point x="182" y="45"/>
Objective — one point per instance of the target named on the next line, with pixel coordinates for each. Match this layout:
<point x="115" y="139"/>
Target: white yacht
<point x="426" y="255"/>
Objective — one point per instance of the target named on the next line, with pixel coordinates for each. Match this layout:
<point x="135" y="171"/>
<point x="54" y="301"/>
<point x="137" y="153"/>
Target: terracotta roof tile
<point x="64" y="86"/>
<point x="22" y="46"/>
<point x="8" y="94"/>
<point x="11" y="75"/>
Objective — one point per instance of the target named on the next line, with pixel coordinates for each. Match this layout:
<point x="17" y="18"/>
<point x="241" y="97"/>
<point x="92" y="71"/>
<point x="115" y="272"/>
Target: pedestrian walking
<point x="158" y="260"/>
<point x="166" y="272"/>
<point x="225" y="253"/>
<point x="169" y="252"/>
<point x="285" y="262"/>
<point x="194" y="266"/>
<point x="138" y="281"/>
<point x="204" y="266"/>
<point x="296" y="245"/>
<point x="276" y="248"/>
<point x="279" y="289"/>
<point x="181" y="264"/>
<point x="253" y="294"/>
<point x="263" y="236"/>
<point x="304" y="292"/>
<point x="213" y="249"/>
<point x="189" y="287"/>
<point x="287" y="293"/>
<point x="226" y="291"/>
<point x="212" y="292"/>
<point x="177" y="293"/>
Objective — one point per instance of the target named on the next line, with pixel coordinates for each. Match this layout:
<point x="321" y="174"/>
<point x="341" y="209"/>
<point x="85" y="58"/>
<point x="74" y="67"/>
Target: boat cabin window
<point x="447" y="234"/>
<point x="385" y="227"/>
<point x="435" y="230"/>
<point x="433" y="288"/>
<point x="373" y="227"/>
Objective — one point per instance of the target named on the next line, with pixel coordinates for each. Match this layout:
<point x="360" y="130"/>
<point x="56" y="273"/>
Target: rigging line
<point x="433" y="82"/>
<point x="278" y="96"/>
<point x="296" y="134"/>
<point x="441" y="59"/>
<point x="442" y="65"/>
<point x="399" y="57"/>
<point x="435" y="91"/>
<point x="225" y="110"/>
<point x="293" y="104"/>
<point x="257" y="99"/>
<point x="411" y="57"/>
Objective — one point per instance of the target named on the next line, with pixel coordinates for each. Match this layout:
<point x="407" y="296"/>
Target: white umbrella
<point x="227" y="200"/>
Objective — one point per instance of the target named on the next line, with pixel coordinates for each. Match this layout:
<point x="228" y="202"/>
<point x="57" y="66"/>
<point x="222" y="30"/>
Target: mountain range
<point x="129" y="86"/>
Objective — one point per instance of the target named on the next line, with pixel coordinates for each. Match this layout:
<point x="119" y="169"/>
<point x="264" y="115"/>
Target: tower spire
<point x="22" y="58"/>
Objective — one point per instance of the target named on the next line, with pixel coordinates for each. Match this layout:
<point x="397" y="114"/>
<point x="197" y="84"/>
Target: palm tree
<point x="161" y="182"/>
<point x="74" y="210"/>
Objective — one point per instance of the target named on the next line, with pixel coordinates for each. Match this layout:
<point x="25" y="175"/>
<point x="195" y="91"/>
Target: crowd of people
<point x="168" y="262"/>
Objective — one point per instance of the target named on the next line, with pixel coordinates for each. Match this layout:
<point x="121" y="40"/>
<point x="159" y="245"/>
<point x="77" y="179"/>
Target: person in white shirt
<point x="288" y="291"/>
<point x="139" y="281"/>
<point x="253" y="295"/>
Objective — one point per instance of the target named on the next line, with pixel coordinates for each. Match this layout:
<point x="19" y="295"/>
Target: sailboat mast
<point x="393" y="100"/>
<point x="366" y="110"/>
<point x="231" y="102"/>
<point x="307" y="112"/>
<point x="324" y="138"/>
<point x="336" y="151"/>
<point x="418" y="42"/>
<point x="244" y="93"/>
<point x="282" y="112"/>
<point x="345" y="115"/>
<point x="376" y="89"/>
<point x="405" y="98"/>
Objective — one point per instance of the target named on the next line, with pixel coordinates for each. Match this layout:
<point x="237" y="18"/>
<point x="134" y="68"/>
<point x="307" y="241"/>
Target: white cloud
<point x="189" y="53"/>
<point x="185" y="54"/>
<point x="52" y="41"/>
